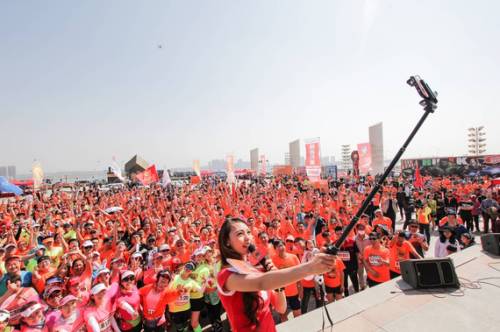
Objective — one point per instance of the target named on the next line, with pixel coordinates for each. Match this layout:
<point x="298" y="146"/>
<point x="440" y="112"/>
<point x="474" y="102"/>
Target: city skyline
<point x="79" y="89"/>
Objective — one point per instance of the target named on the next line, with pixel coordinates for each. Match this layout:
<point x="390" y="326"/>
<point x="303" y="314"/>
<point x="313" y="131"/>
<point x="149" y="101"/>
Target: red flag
<point x="419" y="182"/>
<point x="148" y="176"/>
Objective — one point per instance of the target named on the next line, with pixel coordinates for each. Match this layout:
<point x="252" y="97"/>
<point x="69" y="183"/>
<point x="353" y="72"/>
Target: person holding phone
<point x="247" y="298"/>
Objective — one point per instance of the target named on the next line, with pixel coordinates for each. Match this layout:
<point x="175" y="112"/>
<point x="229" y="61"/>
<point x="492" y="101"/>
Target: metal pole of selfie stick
<point x="428" y="102"/>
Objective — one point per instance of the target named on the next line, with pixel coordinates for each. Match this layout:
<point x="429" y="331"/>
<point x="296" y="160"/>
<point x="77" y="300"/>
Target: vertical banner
<point x="365" y="158"/>
<point x="313" y="160"/>
<point x="230" y="169"/>
<point x="263" y="165"/>
<point x="355" y="163"/>
<point x="196" y="167"/>
<point x="38" y="175"/>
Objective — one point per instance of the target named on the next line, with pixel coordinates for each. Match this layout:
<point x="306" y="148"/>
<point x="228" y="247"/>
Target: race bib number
<point x="374" y="260"/>
<point x="182" y="300"/>
<point x="344" y="255"/>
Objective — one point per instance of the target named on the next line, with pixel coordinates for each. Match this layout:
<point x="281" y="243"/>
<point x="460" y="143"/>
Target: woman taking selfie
<point x="247" y="297"/>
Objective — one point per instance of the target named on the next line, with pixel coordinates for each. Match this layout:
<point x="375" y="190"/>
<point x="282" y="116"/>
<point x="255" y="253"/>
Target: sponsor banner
<point x="488" y="165"/>
<point x="196" y="167"/>
<point x="313" y="160"/>
<point x="365" y="158"/>
<point x="282" y="170"/>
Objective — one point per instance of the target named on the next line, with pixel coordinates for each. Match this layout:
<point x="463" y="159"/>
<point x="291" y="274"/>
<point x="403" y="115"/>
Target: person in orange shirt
<point x="401" y="250"/>
<point x="376" y="261"/>
<point x="381" y="220"/>
<point x="334" y="281"/>
<point x="282" y="260"/>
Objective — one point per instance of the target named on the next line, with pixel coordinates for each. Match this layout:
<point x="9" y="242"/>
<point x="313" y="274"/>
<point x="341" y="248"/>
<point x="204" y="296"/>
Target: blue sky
<point x="82" y="81"/>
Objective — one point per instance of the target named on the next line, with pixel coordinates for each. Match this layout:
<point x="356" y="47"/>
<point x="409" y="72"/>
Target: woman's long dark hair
<point x="252" y="302"/>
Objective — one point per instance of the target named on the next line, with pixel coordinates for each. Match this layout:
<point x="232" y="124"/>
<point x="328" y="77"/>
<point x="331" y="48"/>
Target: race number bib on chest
<point x="374" y="260"/>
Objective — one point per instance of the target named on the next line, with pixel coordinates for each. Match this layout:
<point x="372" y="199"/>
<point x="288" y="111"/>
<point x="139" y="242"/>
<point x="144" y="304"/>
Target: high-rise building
<point x="8" y="171"/>
<point x="294" y="153"/>
<point x="254" y="160"/>
<point x="346" y="157"/>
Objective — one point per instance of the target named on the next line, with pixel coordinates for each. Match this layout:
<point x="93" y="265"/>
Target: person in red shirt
<point x="334" y="281"/>
<point x="376" y="261"/>
<point x="247" y="297"/>
<point x="381" y="220"/>
<point x="401" y="250"/>
<point x="282" y="260"/>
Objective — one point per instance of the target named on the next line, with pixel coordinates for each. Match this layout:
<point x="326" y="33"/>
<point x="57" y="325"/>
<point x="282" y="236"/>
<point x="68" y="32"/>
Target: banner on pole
<point x="38" y="175"/>
<point x="365" y="158"/>
<point x="313" y="160"/>
<point x="196" y="167"/>
<point x="148" y="176"/>
<point x="230" y="169"/>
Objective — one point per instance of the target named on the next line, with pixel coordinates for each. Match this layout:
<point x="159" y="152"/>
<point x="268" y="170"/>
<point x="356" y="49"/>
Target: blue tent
<point x="7" y="187"/>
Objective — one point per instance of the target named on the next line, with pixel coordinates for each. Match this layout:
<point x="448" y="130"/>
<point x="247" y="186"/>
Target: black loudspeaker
<point x="429" y="273"/>
<point x="491" y="243"/>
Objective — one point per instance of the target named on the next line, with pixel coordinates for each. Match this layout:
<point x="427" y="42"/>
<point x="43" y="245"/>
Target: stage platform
<point x="394" y="306"/>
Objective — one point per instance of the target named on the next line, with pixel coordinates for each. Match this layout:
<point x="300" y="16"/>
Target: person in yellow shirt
<point x="180" y="309"/>
<point x="423" y="218"/>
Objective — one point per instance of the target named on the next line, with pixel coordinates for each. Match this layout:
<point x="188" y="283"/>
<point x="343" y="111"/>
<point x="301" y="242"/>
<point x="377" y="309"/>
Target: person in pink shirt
<point x="99" y="314"/>
<point x="32" y="319"/>
<point x="69" y="318"/>
<point x="128" y="304"/>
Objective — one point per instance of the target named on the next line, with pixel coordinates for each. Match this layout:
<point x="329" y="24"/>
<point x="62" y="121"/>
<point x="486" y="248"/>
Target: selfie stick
<point x="428" y="102"/>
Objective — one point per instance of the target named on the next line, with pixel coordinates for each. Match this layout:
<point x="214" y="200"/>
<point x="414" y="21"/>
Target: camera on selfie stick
<point x="429" y="103"/>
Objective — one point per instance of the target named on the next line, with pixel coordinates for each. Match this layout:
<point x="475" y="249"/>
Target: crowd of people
<point x="155" y="258"/>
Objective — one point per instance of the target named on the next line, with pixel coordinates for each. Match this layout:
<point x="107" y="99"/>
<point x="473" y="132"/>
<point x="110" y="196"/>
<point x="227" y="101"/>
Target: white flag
<point x="38" y="175"/>
<point x="116" y="170"/>
<point x="165" y="181"/>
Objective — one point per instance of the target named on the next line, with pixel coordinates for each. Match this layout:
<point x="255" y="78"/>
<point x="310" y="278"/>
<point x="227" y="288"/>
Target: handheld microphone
<point x="252" y="250"/>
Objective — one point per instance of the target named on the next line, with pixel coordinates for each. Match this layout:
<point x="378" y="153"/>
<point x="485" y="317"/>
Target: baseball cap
<point x="126" y="274"/>
<point x="101" y="271"/>
<point x="31" y="309"/>
<point x="68" y="298"/>
<point x="190" y="266"/>
<point x="48" y="291"/>
<point x="164" y="247"/>
<point x="87" y="243"/>
<point x="42" y="258"/>
<point x="11" y="257"/>
<point x="4" y="315"/>
<point x="97" y="289"/>
<point x="136" y="255"/>
<point x="53" y="280"/>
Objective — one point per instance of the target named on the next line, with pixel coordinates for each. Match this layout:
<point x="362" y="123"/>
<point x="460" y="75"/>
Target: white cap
<point x="136" y="254"/>
<point x="97" y="289"/>
<point x="102" y="270"/>
<point x="4" y="315"/>
<point x="164" y="247"/>
<point x="31" y="309"/>
<point x="126" y="274"/>
<point x="87" y="243"/>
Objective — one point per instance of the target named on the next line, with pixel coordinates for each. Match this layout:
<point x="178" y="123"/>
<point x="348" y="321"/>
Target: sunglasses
<point x="55" y="294"/>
